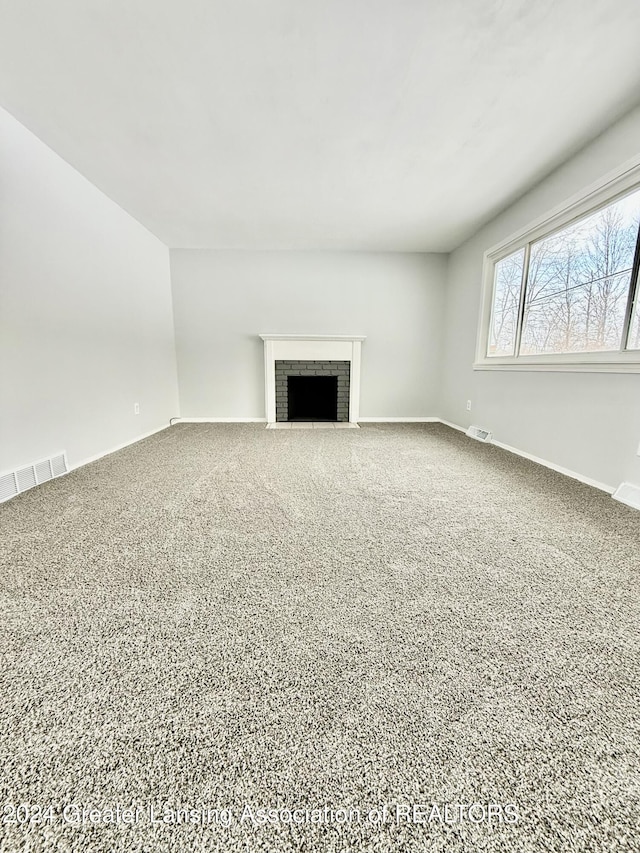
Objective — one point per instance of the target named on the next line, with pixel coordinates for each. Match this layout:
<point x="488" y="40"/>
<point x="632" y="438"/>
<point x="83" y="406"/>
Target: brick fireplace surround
<point x="284" y="369"/>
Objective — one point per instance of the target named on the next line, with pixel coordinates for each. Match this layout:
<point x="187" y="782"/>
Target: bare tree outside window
<point x="506" y="300"/>
<point x="578" y="284"/>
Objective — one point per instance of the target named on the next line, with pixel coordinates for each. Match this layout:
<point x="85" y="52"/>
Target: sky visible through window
<point x="577" y="289"/>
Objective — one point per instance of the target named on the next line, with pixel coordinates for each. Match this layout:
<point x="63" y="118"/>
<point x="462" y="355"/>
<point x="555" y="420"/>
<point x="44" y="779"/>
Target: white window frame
<point x="603" y="192"/>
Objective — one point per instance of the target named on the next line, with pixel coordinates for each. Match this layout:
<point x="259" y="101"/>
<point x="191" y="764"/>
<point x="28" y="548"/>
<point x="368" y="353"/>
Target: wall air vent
<point x="8" y="487"/>
<point x="479" y="434"/>
<point x="59" y="464"/>
<point x="43" y="471"/>
<point x="26" y="478"/>
<point x="14" y="482"/>
<point x="629" y="494"/>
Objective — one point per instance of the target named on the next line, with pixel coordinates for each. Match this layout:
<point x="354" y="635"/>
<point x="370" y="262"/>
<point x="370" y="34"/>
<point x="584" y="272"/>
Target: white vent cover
<point x="26" y="478"/>
<point x="628" y="494"/>
<point x="8" y="487"/>
<point x="43" y="471"/>
<point x="479" y="434"/>
<point x="14" y="482"/>
<point x="59" y="464"/>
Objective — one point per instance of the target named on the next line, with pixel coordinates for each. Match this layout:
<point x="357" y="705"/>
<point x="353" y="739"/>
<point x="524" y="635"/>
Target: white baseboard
<point x="453" y="426"/>
<point x="264" y="420"/>
<point x="118" y="447"/>
<point x="398" y="420"/>
<point x="544" y="462"/>
<point x="219" y="420"/>
<point x="559" y="468"/>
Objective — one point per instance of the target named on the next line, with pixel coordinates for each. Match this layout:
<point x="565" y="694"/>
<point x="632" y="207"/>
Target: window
<point x="506" y="304"/>
<point x="566" y="292"/>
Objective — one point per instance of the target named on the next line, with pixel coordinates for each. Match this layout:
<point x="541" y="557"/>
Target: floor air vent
<point x="479" y="434"/>
<point x="14" y="482"/>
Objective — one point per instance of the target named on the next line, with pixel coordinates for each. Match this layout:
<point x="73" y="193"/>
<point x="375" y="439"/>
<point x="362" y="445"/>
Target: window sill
<point x="562" y="366"/>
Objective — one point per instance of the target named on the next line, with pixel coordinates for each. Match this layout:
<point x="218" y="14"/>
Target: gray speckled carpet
<point x="396" y="638"/>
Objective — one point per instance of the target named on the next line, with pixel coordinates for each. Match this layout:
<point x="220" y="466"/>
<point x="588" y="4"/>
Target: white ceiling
<point x="329" y="124"/>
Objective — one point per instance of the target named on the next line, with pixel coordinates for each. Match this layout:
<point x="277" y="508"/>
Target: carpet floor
<point x="226" y="638"/>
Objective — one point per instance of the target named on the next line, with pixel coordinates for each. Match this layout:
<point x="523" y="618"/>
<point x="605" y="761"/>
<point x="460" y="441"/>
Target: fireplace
<point x="334" y="358"/>
<point x="315" y="390"/>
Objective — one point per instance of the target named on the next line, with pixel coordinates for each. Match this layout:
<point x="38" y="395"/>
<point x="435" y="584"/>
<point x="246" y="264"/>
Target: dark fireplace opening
<point x="313" y="398"/>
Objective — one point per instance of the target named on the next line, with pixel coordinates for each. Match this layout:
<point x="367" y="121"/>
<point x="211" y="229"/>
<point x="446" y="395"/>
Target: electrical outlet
<point x="468" y="405"/>
<point x="136" y="408"/>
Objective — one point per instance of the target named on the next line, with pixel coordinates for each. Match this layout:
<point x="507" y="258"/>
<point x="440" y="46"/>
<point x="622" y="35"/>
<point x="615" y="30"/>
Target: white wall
<point x="223" y="300"/>
<point x="86" y="323"/>
<point x="588" y="423"/>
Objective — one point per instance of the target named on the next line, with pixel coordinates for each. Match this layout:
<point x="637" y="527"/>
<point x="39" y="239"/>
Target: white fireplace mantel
<point x="312" y="348"/>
